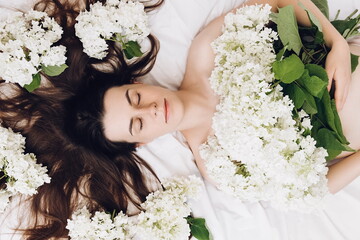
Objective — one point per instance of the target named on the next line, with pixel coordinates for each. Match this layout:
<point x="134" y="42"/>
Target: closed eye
<point x="139" y="97"/>
<point x="141" y="123"/>
<point x="138" y="103"/>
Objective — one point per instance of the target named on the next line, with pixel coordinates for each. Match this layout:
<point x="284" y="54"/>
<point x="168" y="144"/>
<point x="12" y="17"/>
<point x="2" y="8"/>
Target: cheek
<point x="154" y="132"/>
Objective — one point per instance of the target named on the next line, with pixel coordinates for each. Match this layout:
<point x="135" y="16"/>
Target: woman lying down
<point x="247" y="138"/>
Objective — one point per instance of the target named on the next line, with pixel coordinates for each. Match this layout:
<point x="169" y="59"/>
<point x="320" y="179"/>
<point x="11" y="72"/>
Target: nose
<point x="150" y="109"/>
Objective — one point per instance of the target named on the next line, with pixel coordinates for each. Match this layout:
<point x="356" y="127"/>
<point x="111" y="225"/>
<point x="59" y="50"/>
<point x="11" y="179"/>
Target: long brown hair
<point x="103" y="174"/>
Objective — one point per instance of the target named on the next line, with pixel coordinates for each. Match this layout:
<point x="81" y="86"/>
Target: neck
<point x="196" y="110"/>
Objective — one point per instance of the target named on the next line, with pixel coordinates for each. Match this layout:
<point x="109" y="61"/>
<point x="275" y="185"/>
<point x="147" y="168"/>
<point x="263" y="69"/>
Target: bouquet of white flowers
<point x="165" y="210"/>
<point x="19" y="170"/>
<point x="261" y="149"/>
<point x="123" y="21"/>
<point x="101" y="226"/>
<point x="164" y="216"/>
<point x="26" y="48"/>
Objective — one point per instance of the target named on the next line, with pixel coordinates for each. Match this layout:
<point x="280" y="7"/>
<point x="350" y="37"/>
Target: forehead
<point x="112" y="95"/>
<point x="114" y="118"/>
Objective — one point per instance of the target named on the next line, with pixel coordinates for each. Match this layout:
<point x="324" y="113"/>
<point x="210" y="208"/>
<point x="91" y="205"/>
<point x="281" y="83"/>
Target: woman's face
<point x="139" y="113"/>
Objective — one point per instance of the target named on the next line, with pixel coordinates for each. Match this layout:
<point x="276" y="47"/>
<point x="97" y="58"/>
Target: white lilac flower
<point x="26" y="43"/>
<point x="100" y="226"/>
<point x="55" y="56"/>
<point x="116" y="20"/>
<point x="23" y="175"/>
<point x="165" y="210"/>
<point x="259" y="151"/>
<point x="79" y="226"/>
<point x="163" y="216"/>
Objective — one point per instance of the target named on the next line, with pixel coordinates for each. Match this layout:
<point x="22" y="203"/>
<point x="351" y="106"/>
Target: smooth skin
<point x="148" y="111"/>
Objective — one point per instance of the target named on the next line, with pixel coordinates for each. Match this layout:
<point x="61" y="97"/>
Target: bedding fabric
<point x="175" y="24"/>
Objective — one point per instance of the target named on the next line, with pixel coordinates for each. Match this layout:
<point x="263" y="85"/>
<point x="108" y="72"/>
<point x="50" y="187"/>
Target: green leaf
<point x="314" y="21"/>
<point x="274" y="17"/>
<point x="296" y="94"/>
<point x="198" y="228"/>
<point x="128" y="54"/>
<point x="289" y="69"/>
<point x="280" y="54"/>
<point x="328" y="115"/>
<point x="316" y="125"/>
<point x="53" y="70"/>
<point x="320" y="117"/>
<point x="319" y="38"/>
<point x="308" y="108"/>
<point x="309" y="105"/>
<point x="132" y="49"/>
<point x="328" y="140"/>
<point x="323" y="6"/>
<point x="318" y="71"/>
<point x="288" y="29"/>
<point x="313" y="84"/>
<point x="343" y="25"/>
<point x="346" y="32"/>
<point x="332" y="154"/>
<point x="338" y="125"/>
<point x="34" y="84"/>
<point x="354" y="62"/>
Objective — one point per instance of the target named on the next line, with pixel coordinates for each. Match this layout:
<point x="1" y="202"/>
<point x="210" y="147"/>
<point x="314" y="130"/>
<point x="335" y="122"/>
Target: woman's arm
<point x="343" y="172"/>
<point x="338" y="62"/>
<point x="348" y="168"/>
<point x="201" y="63"/>
<point x="338" y="68"/>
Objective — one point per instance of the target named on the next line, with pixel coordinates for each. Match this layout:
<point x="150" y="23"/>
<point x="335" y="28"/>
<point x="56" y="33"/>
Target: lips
<point x="166" y="110"/>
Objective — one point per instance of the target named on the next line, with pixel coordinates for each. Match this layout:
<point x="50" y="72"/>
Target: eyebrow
<point x="128" y="97"/>
<point x="129" y="101"/>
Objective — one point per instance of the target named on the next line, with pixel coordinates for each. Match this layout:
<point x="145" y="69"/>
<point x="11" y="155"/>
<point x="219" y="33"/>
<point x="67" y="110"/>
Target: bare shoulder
<point x="200" y="61"/>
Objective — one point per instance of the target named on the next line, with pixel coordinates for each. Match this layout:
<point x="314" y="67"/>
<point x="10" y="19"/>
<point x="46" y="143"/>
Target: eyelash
<point x="139" y="97"/>
<point x="141" y="122"/>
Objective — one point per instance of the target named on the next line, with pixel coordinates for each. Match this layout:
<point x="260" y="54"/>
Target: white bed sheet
<point x="175" y="24"/>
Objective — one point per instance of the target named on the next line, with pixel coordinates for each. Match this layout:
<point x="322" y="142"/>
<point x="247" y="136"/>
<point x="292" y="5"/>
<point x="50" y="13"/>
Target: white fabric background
<point x="175" y="24"/>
